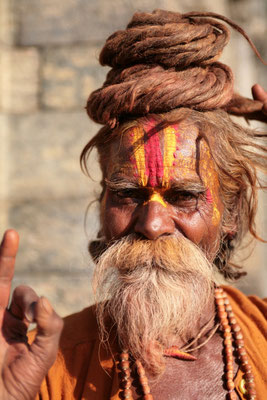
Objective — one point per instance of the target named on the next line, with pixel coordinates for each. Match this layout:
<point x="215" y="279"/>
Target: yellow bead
<point x="242" y="386"/>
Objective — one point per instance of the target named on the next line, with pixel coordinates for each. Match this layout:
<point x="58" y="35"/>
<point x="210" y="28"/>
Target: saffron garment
<point x="85" y="370"/>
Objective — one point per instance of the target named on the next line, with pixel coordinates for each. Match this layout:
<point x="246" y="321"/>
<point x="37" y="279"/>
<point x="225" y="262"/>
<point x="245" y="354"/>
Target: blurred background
<point x="48" y="66"/>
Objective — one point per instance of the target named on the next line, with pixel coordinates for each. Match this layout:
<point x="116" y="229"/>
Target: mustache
<point x="173" y="254"/>
<point x="135" y="247"/>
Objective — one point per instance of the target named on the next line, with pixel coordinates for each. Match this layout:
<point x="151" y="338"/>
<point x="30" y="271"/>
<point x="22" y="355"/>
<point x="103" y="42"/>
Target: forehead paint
<point x="152" y="167"/>
<point x="156" y="197"/>
<point x="153" y="156"/>
<point x="137" y="135"/>
<point x="156" y="167"/>
<point x="171" y="137"/>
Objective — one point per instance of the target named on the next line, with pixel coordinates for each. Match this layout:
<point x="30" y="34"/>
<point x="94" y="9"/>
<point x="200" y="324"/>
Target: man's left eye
<point x="182" y="198"/>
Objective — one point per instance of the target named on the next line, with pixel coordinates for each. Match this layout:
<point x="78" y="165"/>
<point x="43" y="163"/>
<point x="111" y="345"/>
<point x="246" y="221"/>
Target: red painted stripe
<point x="153" y="156"/>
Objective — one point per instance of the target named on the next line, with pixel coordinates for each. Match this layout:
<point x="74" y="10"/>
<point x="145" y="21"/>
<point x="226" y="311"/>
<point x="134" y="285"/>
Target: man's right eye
<point x="126" y="193"/>
<point x="129" y="196"/>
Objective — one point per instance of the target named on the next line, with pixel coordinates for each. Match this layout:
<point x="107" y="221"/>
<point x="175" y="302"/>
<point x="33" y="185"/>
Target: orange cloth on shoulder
<point x="84" y="370"/>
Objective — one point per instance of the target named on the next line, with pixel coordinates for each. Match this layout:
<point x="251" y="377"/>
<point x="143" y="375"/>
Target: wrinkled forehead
<point x="151" y="136"/>
<point x="154" y="153"/>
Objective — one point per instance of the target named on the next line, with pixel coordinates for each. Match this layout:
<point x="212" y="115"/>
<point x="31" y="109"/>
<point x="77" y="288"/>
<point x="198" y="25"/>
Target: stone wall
<point x="48" y="66"/>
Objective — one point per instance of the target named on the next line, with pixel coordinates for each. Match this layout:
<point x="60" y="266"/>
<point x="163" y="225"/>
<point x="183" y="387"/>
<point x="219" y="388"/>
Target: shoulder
<point x="251" y="314"/>
<point x="250" y="307"/>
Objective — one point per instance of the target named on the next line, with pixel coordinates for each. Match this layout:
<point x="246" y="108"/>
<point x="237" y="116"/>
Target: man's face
<point x="162" y="182"/>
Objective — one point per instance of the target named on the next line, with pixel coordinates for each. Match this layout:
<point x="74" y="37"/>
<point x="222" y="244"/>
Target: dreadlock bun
<point x="165" y="60"/>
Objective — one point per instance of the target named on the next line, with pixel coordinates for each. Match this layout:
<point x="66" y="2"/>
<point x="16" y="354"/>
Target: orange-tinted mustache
<point x="166" y="253"/>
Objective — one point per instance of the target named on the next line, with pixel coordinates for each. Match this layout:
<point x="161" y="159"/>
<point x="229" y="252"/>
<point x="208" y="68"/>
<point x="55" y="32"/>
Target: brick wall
<point x="48" y="66"/>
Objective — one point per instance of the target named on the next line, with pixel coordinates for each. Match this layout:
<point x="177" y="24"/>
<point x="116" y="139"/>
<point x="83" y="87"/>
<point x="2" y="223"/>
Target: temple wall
<point x="48" y="66"/>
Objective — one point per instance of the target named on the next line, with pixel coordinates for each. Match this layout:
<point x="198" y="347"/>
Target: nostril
<point x="140" y="236"/>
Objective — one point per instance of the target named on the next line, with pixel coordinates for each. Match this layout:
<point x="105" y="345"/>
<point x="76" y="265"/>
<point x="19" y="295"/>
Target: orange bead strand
<point x="125" y="376"/>
<point x="230" y="326"/>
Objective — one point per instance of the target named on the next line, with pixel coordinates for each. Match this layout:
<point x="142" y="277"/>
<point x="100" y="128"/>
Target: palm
<point x="22" y="366"/>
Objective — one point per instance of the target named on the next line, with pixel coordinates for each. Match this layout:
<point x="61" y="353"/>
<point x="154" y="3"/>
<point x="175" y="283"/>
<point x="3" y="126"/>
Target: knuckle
<point x="20" y="289"/>
<point x="25" y="292"/>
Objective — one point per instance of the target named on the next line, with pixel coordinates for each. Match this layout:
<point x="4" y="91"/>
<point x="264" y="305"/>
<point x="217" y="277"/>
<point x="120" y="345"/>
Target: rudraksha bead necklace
<point x="232" y="336"/>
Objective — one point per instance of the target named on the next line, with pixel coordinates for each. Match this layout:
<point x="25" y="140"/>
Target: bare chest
<point x="192" y="380"/>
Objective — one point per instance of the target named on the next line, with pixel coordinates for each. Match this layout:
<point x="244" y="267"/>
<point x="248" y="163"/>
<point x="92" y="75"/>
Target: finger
<point x="23" y="303"/>
<point x="49" y="327"/>
<point x="8" y="252"/>
<point x="32" y="365"/>
<point x="259" y="93"/>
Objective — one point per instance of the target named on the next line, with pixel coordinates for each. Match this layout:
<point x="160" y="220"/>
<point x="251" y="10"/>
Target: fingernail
<point x="46" y="305"/>
<point x="30" y="313"/>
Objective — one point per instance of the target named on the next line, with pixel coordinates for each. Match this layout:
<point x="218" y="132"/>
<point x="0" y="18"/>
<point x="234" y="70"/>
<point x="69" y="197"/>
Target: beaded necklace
<point x="232" y="336"/>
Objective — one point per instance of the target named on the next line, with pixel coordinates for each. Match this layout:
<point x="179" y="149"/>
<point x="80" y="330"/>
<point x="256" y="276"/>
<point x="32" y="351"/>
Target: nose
<point x="154" y="221"/>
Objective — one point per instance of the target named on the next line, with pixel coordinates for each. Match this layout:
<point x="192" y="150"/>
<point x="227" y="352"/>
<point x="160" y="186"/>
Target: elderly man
<point x="179" y="194"/>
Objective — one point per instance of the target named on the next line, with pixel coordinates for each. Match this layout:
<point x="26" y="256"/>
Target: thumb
<point x="49" y="327"/>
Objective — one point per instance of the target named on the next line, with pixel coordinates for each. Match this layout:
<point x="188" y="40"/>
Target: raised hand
<point x="23" y="367"/>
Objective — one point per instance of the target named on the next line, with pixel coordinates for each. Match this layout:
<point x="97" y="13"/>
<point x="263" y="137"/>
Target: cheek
<point x="192" y="225"/>
<point x="198" y="228"/>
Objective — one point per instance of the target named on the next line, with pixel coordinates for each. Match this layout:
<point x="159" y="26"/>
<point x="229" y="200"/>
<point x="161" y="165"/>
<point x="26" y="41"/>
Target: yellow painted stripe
<point x="168" y="157"/>
<point x="139" y="153"/>
<point x="156" y="197"/>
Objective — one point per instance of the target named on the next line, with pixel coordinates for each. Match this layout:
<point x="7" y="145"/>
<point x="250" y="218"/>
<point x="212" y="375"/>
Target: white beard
<point x="154" y="291"/>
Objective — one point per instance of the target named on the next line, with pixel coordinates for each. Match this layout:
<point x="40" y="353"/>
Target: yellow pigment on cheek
<point x="156" y="197"/>
<point x="216" y="215"/>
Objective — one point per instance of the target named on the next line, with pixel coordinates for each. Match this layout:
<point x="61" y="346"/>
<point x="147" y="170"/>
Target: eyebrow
<point x="121" y="183"/>
<point x="190" y="185"/>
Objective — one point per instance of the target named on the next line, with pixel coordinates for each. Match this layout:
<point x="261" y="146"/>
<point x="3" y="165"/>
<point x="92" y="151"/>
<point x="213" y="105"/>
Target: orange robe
<point x="84" y="370"/>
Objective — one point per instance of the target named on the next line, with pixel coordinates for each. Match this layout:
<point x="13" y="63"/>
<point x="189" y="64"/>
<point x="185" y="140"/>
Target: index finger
<point x="8" y="252"/>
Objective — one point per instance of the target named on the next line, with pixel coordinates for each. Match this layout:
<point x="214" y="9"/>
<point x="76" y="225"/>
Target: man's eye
<point x="126" y="193"/>
<point x="182" y="198"/>
<point x="128" y="196"/>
